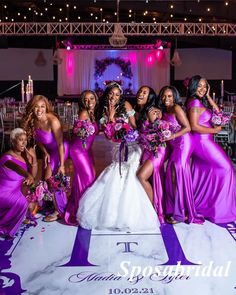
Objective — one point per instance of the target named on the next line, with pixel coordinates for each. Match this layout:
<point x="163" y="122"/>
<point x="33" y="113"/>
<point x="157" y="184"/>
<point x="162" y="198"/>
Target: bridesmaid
<point x="41" y="123"/>
<point x="18" y="166"/>
<point x="145" y="97"/>
<point x="82" y="158"/>
<point x="214" y="182"/>
<point x="152" y="167"/>
<point x="178" y="183"/>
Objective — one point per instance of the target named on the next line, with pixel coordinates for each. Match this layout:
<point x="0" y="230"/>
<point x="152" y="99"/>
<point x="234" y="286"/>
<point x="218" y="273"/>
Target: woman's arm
<point x="129" y="108"/>
<point x="211" y="101"/>
<point x="194" y="114"/>
<point x="83" y="115"/>
<point x="31" y="160"/>
<point x="57" y="131"/>
<point x="19" y="170"/>
<point x="183" y="121"/>
<point x="46" y="154"/>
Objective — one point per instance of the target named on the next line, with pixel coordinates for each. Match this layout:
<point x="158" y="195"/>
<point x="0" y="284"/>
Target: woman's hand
<point x="208" y="91"/>
<point x="61" y="169"/>
<point x="217" y="129"/>
<point x="111" y="111"/>
<point x="31" y="155"/>
<point x="46" y="160"/>
<point x="29" y="180"/>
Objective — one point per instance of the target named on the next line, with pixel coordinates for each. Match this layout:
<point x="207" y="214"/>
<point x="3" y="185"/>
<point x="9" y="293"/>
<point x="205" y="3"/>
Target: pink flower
<point x="166" y="134"/>
<point x="39" y="192"/>
<point x="91" y="129"/>
<point x="118" y="126"/>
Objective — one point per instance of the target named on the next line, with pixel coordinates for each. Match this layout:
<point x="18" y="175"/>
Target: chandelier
<point x="118" y="39"/>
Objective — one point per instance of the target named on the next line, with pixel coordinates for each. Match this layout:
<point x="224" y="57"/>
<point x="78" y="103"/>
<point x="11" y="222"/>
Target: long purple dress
<point x="13" y="204"/>
<point x="47" y="138"/>
<point x="84" y="173"/>
<point x="179" y="192"/>
<point x="213" y="176"/>
<point x="157" y="178"/>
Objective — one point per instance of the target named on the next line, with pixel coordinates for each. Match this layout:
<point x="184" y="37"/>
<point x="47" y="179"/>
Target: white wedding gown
<point x="118" y="202"/>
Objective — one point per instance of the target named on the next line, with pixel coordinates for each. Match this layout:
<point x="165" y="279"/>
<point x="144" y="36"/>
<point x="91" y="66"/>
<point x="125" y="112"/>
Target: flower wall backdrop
<point x="92" y="69"/>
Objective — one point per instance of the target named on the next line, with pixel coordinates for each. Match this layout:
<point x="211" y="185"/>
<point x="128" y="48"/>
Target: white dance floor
<point x="52" y="258"/>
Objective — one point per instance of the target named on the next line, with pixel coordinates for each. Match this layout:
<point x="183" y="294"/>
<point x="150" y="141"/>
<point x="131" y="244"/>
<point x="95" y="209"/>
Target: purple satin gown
<point x="84" y="173"/>
<point x="13" y="204"/>
<point x="179" y="191"/>
<point x="157" y="178"/>
<point x="213" y="176"/>
<point x="47" y="138"/>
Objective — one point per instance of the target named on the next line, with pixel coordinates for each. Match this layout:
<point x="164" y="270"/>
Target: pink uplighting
<point x="70" y="64"/>
<point x="160" y="54"/>
<point x="150" y="59"/>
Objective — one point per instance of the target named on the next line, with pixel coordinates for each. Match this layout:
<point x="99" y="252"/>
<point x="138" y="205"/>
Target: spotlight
<point x="68" y="44"/>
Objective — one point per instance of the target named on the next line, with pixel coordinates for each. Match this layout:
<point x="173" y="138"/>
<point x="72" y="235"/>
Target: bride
<point x="117" y="200"/>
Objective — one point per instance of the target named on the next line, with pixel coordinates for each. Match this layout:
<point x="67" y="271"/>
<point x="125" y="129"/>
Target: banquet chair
<point x="9" y="123"/>
<point x="223" y="138"/>
<point x="1" y="131"/>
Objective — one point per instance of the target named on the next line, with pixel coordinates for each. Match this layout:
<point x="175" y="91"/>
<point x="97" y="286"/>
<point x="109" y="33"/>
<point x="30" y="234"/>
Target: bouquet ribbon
<point x="123" y="146"/>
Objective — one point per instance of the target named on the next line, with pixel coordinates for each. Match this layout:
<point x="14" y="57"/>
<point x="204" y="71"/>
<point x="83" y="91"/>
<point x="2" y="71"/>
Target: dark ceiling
<point x="90" y="10"/>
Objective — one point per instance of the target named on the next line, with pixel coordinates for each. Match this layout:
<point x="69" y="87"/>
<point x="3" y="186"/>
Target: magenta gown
<point x="213" y="176"/>
<point x="179" y="195"/>
<point x="47" y="138"/>
<point x="13" y="204"/>
<point x="84" y="173"/>
<point x="157" y="178"/>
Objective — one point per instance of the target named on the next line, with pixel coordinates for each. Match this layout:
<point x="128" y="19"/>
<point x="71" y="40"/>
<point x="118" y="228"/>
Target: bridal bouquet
<point x="220" y="118"/>
<point x="59" y="182"/>
<point x="83" y="129"/>
<point x="39" y="192"/>
<point x="154" y="135"/>
<point x="120" y="131"/>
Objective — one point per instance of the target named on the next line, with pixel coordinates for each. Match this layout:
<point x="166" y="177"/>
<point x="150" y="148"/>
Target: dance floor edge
<point x="52" y="258"/>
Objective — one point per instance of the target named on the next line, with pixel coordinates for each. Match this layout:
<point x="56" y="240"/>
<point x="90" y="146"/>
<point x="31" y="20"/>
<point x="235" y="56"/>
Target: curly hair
<point x="121" y="110"/>
<point x="82" y="103"/>
<point x="15" y="133"/>
<point x="192" y="89"/>
<point x="28" y="119"/>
